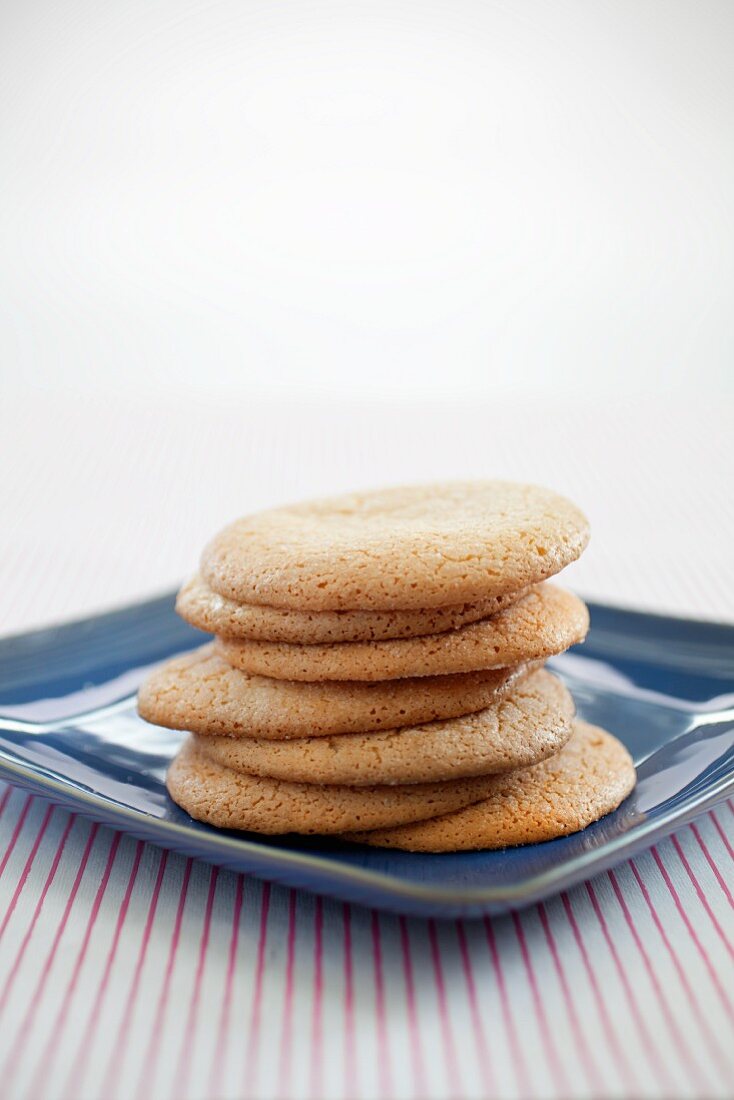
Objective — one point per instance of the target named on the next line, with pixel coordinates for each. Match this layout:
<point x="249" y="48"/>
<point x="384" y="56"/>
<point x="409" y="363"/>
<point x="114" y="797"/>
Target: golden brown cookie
<point x="232" y="800"/>
<point x="414" y="547"/>
<point x="530" y="723"/>
<point x="201" y="693"/>
<point x="546" y="621"/>
<point x="587" y="779"/>
<point x="204" y="608"/>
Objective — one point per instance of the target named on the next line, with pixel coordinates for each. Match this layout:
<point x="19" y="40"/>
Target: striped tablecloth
<point x="128" y="973"/>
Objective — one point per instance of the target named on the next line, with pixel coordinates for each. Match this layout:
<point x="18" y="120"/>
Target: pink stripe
<point x="254" y="1036"/>
<point x="317" y="1013"/>
<point x="286" y="1038"/>
<point x="384" y="1068"/>
<point x="15" y="834"/>
<point x="702" y="897"/>
<point x="145" y="1081"/>
<point x="26" y="870"/>
<point x="24" y="1031"/>
<point x="75" y="1074"/>
<point x="480" y="1039"/>
<point x="518" y="1054"/>
<point x="416" y="1057"/>
<point x="112" y="1074"/>
<point x="36" y="913"/>
<point x="452" y="1066"/>
<point x="693" y="934"/>
<point x="217" y="1070"/>
<point x="582" y="1046"/>
<point x="37" y="1085"/>
<point x="719" y="877"/>
<point x="657" y="1065"/>
<point x="619" y="1055"/>
<point x="690" y="994"/>
<point x="4" y="800"/>
<point x="350" y="1055"/>
<point x="184" y="1062"/>
<point x="550" y="1050"/>
<point x="670" y="1020"/>
<point x="722" y="834"/>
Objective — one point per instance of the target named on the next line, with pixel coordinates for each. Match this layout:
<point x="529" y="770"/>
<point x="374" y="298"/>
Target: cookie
<point x="546" y="621"/>
<point x="530" y="723"/>
<point x="587" y="779"/>
<point x="232" y="800"/>
<point x="204" y="608"/>
<point x="403" y="548"/>
<point x="201" y="693"/>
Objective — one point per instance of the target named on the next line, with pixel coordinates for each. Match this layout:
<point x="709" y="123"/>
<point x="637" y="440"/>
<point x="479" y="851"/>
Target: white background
<point x="253" y="251"/>
<point x="405" y="197"/>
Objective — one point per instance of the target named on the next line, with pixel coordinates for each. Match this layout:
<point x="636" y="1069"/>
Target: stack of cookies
<point x="377" y="673"/>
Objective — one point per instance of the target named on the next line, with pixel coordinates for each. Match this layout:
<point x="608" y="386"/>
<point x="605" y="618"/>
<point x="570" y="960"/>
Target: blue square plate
<point x="69" y="732"/>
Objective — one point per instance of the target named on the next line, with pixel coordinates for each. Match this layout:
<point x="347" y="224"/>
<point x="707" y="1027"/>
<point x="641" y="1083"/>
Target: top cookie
<point x="415" y="547"/>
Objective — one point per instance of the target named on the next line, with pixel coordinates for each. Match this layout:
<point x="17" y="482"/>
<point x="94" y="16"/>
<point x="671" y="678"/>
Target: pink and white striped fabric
<point x="128" y="973"/>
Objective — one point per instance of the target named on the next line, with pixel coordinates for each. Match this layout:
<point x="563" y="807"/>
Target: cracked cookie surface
<point x="231" y="800"/>
<point x="587" y="779"/>
<point x="403" y="548"/>
<point x="524" y="726"/>
<point x="545" y="622"/>
<point x="206" y="609"/>
<point x="201" y="693"/>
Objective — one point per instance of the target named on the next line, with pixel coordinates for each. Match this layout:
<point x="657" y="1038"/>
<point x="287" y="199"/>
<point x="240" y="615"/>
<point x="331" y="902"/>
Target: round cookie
<point x="201" y="693"/>
<point x="530" y="723"/>
<point x="232" y="800"/>
<point x="414" y="547"/>
<point x="587" y="779"/>
<point x="546" y="621"/>
<point x="204" y="608"/>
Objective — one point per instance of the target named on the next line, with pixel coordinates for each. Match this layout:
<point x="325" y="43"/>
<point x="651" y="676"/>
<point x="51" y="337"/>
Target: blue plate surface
<point x="69" y="732"/>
